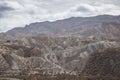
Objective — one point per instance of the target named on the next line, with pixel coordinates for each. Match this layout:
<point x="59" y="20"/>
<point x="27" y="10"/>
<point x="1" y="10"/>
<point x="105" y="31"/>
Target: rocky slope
<point x="104" y="63"/>
<point x="54" y="54"/>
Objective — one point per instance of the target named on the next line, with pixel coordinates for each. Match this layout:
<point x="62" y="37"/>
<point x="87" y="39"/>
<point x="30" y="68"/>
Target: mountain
<point x="84" y="26"/>
<point x="82" y="46"/>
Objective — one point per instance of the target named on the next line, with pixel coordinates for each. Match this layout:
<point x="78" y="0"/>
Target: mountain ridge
<point x="69" y="26"/>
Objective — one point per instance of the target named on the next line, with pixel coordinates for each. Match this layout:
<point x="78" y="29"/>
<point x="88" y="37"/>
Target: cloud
<point x="4" y="9"/>
<point x="17" y="13"/>
<point x="84" y="8"/>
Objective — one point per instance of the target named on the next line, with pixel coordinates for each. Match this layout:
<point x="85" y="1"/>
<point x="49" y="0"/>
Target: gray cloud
<point x="4" y="9"/>
<point x="18" y="13"/>
<point x="83" y="9"/>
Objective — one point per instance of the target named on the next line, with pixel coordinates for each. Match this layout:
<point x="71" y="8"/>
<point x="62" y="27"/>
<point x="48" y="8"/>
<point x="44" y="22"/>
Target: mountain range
<point x="84" y="26"/>
<point x="89" y="46"/>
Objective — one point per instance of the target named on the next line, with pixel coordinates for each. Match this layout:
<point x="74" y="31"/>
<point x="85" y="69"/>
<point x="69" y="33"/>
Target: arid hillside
<point x="57" y="55"/>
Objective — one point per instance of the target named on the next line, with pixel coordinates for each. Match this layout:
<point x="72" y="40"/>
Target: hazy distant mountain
<point x="85" y="26"/>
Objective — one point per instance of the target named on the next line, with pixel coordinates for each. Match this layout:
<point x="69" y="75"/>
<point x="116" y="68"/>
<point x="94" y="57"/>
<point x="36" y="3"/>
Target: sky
<point x="18" y="13"/>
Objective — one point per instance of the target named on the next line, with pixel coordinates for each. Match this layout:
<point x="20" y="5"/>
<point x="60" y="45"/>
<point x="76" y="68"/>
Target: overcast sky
<point x="17" y="13"/>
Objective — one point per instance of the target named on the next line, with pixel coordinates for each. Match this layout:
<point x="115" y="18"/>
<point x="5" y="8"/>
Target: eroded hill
<point x="57" y="55"/>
